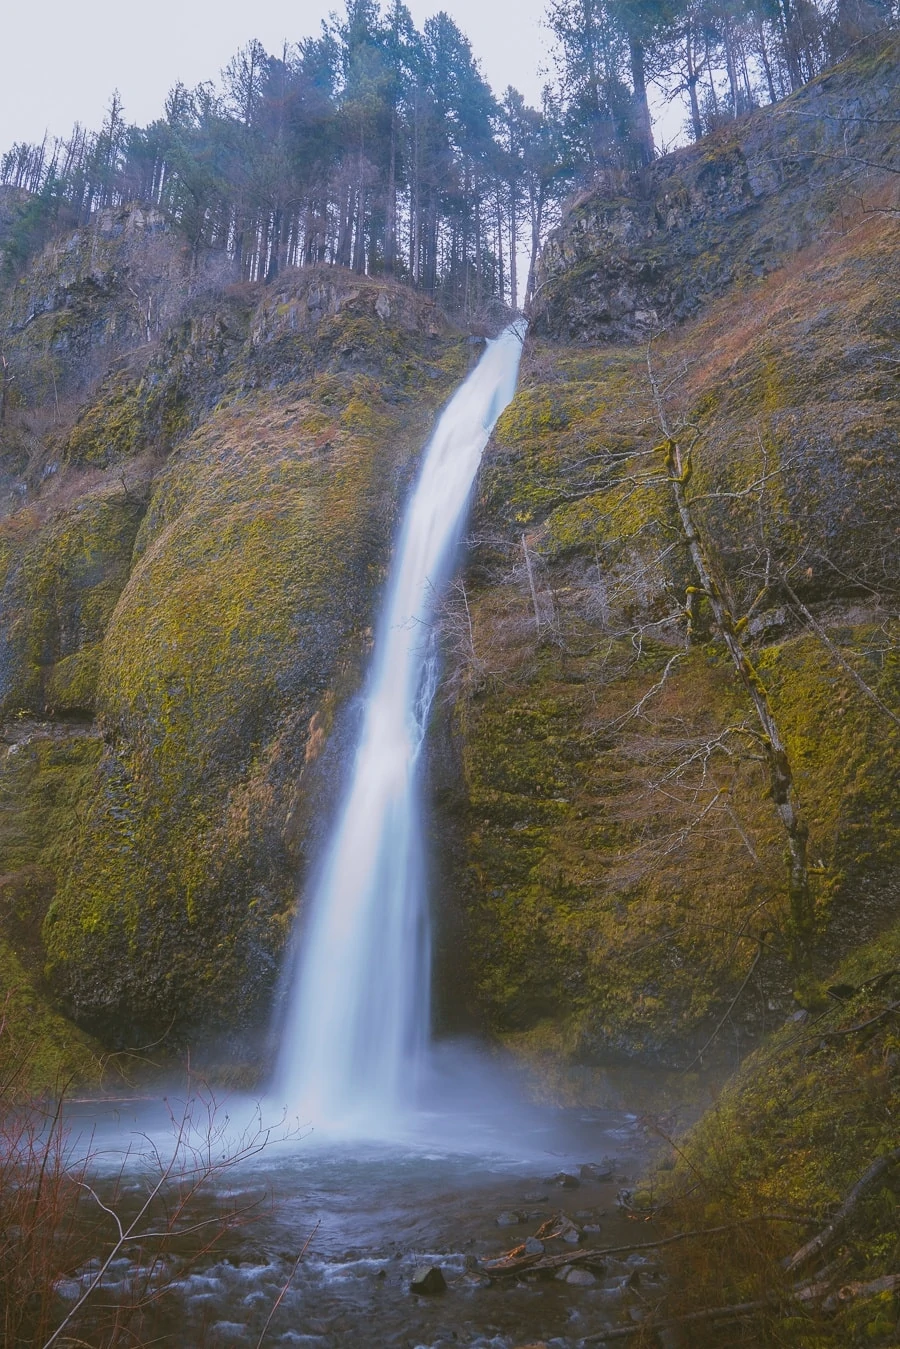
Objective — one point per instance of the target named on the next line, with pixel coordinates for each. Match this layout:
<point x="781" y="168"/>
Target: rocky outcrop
<point x="194" y="581"/>
<point x="623" y="864"/>
<point x="639" y="253"/>
<point x="193" y="547"/>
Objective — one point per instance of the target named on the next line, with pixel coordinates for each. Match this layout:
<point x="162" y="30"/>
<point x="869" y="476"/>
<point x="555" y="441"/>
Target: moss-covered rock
<point x="246" y="615"/>
<point x="60" y="580"/>
<point x="792" y="1134"/>
<point x="625" y="865"/>
<point x="641" y="251"/>
<point x="44" y="772"/>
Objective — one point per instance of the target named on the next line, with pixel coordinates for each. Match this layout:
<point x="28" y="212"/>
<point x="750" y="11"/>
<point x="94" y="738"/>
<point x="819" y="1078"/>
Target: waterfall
<point x="358" y="1022"/>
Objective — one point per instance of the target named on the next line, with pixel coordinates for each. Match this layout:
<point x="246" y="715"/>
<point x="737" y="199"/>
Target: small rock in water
<point x="563" y="1274"/>
<point x="509" y="1219"/>
<point x="428" y="1282"/>
<point x="564" y="1180"/>
<point x="534" y="1247"/>
<point x="602" y="1170"/>
<point x="581" y="1278"/>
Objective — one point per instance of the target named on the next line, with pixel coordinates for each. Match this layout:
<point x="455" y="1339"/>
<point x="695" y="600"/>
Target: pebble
<point x="508" y="1219"/>
<point x="581" y="1278"/>
<point x="602" y="1170"/>
<point x="564" y="1180"/>
<point x="534" y="1247"/>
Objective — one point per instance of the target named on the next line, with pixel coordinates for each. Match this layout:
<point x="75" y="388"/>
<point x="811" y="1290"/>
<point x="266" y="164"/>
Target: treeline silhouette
<point x="382" y="148"/>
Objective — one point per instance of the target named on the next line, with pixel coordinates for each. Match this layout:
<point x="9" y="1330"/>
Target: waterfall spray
<point x="358" y="1023"/>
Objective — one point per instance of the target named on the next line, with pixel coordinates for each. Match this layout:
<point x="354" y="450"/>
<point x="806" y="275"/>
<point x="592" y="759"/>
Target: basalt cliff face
<point x="191" y="556"/>
<point x="200" y="485"/>
<point x="623" y="859"/>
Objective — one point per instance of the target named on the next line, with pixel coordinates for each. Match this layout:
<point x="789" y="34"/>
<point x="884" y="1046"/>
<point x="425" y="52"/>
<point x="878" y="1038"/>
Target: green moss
<point x="597" y="900"/>
<point x="801" y="1122"/>
<point x="61" y="585"/>
<point x="39" y="1045"/>
<point x="43" y="776"/>
<point x="248" y="606"/>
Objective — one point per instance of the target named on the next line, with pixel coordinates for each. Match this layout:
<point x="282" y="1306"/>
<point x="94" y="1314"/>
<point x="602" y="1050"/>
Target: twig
<point x="814" y="1292"/>
<point x="507" y="1265"/>
<point x="730" y="1009"/>
<point x="287" y="1283"/>
<point x="534" y="598"/>
<point x="835" y="653"/>
<point x="863" y="1025"/>
<point x="651" y="692"/>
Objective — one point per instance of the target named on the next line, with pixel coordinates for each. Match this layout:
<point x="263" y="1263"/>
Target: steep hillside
<point x="186" y="594"/>
<point x="624" y="861"/>
<point x="201" y="483"/>
<point x="625" y="887"/>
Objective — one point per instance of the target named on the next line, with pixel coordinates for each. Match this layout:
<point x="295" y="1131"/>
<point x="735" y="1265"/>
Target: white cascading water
<point x="358" y="1022"/>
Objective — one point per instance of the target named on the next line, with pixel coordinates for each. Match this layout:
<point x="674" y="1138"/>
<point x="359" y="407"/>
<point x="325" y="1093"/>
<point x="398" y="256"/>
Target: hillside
<point x="200" y="482"/>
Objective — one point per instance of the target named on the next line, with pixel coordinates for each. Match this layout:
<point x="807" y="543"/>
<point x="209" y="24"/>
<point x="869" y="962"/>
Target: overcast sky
<point x="62" y="59"/>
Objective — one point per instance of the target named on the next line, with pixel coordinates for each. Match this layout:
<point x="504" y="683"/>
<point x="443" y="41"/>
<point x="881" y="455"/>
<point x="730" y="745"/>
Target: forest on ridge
<point x="382" y="148"/>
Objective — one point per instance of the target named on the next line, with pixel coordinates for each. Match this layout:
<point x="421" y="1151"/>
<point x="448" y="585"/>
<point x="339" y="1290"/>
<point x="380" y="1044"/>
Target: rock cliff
<point x="200" y="486"/>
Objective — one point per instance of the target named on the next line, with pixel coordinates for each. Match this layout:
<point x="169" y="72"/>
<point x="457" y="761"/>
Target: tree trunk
<point x="643" y="129"/>
<point x="781" y="781"/>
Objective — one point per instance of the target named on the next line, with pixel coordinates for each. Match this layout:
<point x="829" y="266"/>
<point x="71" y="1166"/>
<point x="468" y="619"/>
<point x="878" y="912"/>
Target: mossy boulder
<point x="623" y="864"/>
<point x="243" y="625"/>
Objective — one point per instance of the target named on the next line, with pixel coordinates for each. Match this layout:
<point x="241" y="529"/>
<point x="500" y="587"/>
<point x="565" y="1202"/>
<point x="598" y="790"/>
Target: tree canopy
<point x="377" y="146"/>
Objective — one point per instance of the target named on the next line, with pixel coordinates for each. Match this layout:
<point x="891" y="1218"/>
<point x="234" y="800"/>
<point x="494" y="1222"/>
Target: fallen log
<point x="517" y="1261"/>
<point x="811" y="1293"/>
<point x="824" y="1239"/>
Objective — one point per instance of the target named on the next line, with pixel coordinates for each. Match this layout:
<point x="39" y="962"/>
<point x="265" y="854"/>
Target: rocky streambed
<point x="488" y="1229"/>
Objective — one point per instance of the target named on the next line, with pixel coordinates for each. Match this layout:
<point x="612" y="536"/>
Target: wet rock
<point x="473" y="1280"/>
<point x="602" y="1170"/>
<point x="612" y="1295"/>
<point x="564" y="1180"/>
<point x="559" y="1228"/>
<point x="642" y="1262"/>
<point x="534" y="1247"/>
<point x="509" y="1219"/>
<point x="581" y="1278"/>
<point x="428" y="1282"/>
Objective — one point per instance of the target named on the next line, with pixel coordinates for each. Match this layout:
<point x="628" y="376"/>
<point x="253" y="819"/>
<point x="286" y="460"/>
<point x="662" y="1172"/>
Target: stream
<point x="457" y="1189"/>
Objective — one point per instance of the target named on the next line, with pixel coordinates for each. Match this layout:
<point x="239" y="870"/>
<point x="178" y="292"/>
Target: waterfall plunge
<point x="358" y="1019"/>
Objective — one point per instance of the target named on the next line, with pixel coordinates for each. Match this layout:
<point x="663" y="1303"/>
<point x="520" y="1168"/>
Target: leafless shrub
<point x="83" y="1256"/>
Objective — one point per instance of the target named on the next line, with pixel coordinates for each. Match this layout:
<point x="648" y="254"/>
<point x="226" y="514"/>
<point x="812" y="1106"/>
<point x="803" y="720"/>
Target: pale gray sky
<point x="60" y="60"/>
